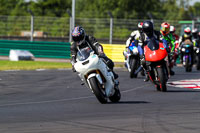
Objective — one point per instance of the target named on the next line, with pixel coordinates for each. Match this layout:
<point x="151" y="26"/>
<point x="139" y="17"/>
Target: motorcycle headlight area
<point x="183" y="49"/>
<point x="135" y="51"/>
<point x="197" y="50"/>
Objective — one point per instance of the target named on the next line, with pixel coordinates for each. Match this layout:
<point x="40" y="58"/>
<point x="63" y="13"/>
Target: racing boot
<point x="146" y="78"/>
<point x="172" y="72"/>
<point x="115" y="75"/>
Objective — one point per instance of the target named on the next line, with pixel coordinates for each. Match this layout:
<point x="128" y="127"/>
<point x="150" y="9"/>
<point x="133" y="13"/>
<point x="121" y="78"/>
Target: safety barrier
<point x="37" y="48"/>
<point x="55" y="49"/>
<point x="114" y="52"/>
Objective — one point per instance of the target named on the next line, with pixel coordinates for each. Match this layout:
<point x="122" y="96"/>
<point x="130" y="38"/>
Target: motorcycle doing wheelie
<point x="187" y="55"/>
<point x="156" y="66"/>
<point x="94" y="72"/>
<point x="132" y="59"/>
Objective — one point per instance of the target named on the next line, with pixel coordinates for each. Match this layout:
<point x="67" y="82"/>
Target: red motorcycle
<point x="156" y="66"/>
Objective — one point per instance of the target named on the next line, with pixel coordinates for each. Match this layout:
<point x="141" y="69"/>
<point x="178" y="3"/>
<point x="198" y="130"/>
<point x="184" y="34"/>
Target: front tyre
<point x="188" y="67"/>
<point x="116" y="96"/>
<point x="162" y="81"/>
<point x="133" y="66"/>
<point x="98" y="90"/>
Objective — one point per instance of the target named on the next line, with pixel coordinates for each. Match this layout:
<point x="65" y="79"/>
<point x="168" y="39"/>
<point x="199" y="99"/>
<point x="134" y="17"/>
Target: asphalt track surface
<point x="53" y="101"/>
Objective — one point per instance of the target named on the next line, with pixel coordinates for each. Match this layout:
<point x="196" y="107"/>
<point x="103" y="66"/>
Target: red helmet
<point x="165" y="28"/>
<point x="140" y="26"/>
<point x="187" y="30"/>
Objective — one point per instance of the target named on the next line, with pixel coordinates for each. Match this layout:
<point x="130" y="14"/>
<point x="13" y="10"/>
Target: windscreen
<point x="84" y="53"/>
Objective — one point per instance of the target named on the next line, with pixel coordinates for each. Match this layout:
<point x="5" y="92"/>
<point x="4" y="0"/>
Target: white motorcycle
<point x="97" y="76"/>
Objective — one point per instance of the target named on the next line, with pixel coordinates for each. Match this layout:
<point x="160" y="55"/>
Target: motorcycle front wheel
<point x="133" y="66"/>
<point x="162" y="79"/>
<point x="188" y="63"/>
<point x="116" y="96"/>
<point x="98" y="90"/>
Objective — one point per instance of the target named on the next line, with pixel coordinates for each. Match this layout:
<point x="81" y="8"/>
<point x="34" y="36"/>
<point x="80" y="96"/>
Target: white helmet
<point x="195" y="30"/>
<point x="172" y="29"/>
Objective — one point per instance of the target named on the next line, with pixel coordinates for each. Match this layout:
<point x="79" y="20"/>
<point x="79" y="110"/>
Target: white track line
<point x="62" y="100"/>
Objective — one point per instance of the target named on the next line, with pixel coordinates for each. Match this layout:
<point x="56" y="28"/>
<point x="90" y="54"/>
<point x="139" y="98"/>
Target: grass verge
<point x="32" y="65"/>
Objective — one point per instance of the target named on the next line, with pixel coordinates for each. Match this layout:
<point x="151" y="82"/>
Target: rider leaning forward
<point x="165" y="34"/>
<point x="81" y="40"/>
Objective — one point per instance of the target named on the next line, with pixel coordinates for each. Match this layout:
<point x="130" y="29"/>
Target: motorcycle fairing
<point x="155" y="54"/>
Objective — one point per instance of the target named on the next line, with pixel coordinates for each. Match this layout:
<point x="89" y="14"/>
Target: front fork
<point x="153" y="74"/>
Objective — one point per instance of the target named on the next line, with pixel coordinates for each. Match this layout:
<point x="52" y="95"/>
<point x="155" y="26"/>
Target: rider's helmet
<point x="148" y="28"/>
<point x="195" y="32"/>
<point x="165" y="28"/>
<point x="172" y="29"/>
<point x="187" y="32"/>
<point x="140" y="26"/>
<point x="78" y="35"/>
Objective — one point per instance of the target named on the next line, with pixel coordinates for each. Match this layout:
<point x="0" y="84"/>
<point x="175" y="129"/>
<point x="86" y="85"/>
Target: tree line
<point x="126" y="9"/>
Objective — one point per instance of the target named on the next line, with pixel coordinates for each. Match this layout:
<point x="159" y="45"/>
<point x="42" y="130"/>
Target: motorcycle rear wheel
<point x="98" y="91"/>
<point x="198" y="62"/>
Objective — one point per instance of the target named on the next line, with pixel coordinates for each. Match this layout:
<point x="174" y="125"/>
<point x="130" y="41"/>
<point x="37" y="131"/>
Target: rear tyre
<point x="162" y="80"/>
<point x="98" y="91"/>
<point x="116" y="97"/>
<point x="157" y="87"/>
<point x="198" y="62"/>
<point x="133" y="66"/>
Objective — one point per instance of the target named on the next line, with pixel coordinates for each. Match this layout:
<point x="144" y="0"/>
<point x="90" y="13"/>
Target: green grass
<point x="32" y="65"/>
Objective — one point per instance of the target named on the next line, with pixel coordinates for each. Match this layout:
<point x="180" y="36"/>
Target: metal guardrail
<point x="118" y="30"/>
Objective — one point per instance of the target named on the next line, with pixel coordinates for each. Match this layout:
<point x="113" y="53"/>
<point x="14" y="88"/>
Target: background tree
<point x="126" y="9"/>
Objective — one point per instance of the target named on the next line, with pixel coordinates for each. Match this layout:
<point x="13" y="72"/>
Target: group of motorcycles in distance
<point x="159" y="61"/>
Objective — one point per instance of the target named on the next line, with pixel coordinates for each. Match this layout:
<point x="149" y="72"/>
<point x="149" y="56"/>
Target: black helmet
<point x="195" y="33"/>
<point x="148" y="28"/>
<point x="78" y="35"/>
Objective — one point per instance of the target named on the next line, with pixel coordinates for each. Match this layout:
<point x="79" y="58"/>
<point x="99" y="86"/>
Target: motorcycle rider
<point x="138" y="37"/>
<point x="196" y="41"/>
<point x="81" y="40"/>
<point x="165" y="34"/>
<point x="172" y="31"/>
<point x="153" y="35"/>
<point x="195" y="37"/>
<point x="186" y="36"/>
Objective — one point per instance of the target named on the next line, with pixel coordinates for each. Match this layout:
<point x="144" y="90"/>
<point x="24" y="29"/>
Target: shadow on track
<point x="129" y="102"/>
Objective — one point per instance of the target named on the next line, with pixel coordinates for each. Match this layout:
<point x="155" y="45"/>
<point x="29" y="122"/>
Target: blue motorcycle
<point x="132" y="59"/>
